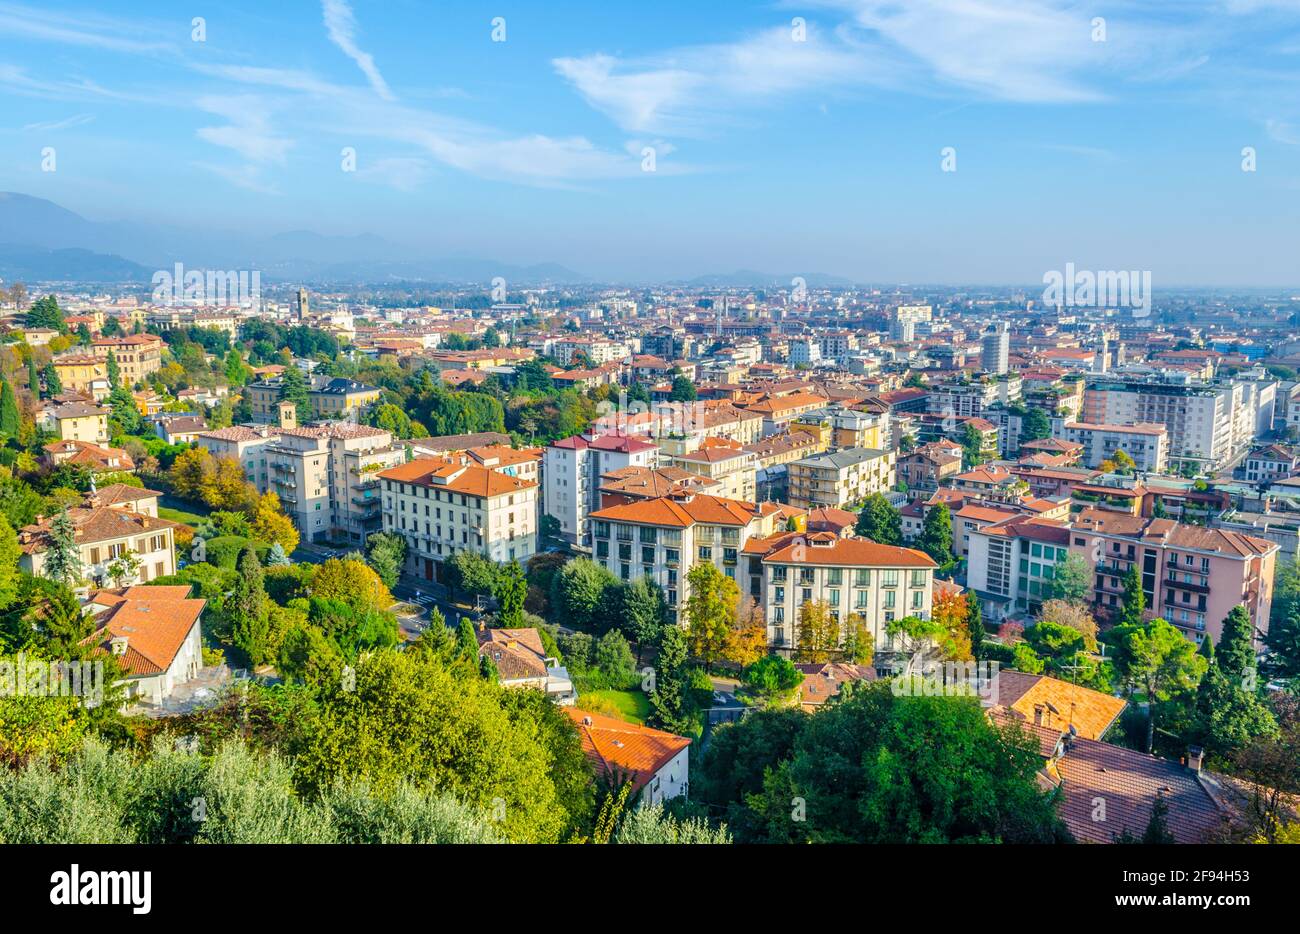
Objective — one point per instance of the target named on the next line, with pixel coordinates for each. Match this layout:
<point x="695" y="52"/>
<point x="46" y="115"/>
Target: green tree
<point x="614" y="658"/>
<point x="50" y="377"/>
<point x="386" y="554"/>
<point x="936" y="534"/>
<point x="1035" y="425"/>
<point x="1159" y="661"/>
<point x="63" y="554"/>
<point x="683" y="390"/>
<point x="772" y="677"/>
<point x="1235" y="652"/>
<point x="1227" y="717"/>
<point x="668" y="700"/>
<point x="293" y="388"/>
<point x="1072" y="580"/>
<point x="710" y="612"/>
<point x="645" y="612"/>
<point x="46" y="313"/>
<point x="114" y="372"/>
<point x="880" y="522"/>
<point x="510" y="590"/>
<point x="10" y="423"/>
<point x="1134" y="602"/>
<point x="577" y="591"/>
<point x="247" y="609"/>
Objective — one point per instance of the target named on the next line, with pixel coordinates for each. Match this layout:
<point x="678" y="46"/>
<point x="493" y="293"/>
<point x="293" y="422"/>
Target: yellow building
<point x="339" y="396"/>
<point x="137" y="355"/>
<point x="77" y="421"/>
<point x="83" y="373"/>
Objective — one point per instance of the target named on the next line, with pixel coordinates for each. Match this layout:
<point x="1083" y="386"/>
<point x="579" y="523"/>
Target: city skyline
<point x="791" y="139"/>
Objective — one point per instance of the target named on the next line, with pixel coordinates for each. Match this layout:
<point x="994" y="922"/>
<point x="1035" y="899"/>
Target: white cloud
<point x="249" y="131"/>
<point x="84" y="29"/>
<point x="685" y="91"/>
<point x="341" y="26"/>
<point x="64" y="124"/>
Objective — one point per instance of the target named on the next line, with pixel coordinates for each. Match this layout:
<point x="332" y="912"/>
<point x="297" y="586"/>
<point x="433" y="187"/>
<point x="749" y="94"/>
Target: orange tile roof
<point x="850" y="552"/>
<point x="613" y="745"/>
<point x="681" y="512"/>
<point x="155" y="621"/>
<point x="450" y="474"/>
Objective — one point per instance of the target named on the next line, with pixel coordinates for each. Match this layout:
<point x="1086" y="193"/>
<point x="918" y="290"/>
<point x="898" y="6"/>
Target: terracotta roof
<point x="613" y="745"/>
<point x="91" y="455"/>
<point x="1061" y="703"/>
<point x="821" y="682"/>
<point x="830" y="519"/>
<point x="238" y="433"/>
<point x="92" y="524"/>
<point x="154" y="620"/>
<point x="850" y="552"/>
<point x="518" y="653"/>
<point x="448" y="473"/>
<point x="1173" y="534"/>
<point x="449" y="443"/>
<point x="681" y="511"/>
<point x="1128" y="783"/>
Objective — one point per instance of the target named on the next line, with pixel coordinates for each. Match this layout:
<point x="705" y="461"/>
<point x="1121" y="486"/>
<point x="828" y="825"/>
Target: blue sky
<point x="786" y="156"/>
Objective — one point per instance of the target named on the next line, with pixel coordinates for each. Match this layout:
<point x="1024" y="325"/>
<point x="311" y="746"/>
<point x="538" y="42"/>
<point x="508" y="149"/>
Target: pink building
<point x="1192" y="576"/>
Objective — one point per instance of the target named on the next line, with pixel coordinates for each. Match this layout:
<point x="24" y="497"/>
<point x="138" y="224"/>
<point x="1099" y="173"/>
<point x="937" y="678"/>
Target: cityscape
<point x="317" y="526"/>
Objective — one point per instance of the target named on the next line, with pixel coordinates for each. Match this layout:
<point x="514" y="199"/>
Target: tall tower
<point x="996" y="348"/>
<point x="302" y="305"/>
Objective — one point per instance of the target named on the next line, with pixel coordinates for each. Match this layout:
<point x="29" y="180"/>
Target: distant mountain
<point x="34" y="264"/>
<point x="750" y="279"/>
<point x="35" y="225"/>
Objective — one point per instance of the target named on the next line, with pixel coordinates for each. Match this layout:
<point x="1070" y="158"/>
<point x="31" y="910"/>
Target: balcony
<point x="365" y="501"/>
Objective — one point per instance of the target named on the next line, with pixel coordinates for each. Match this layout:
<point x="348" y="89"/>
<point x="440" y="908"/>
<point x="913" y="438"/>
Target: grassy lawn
<point x="631" y="706"/>
<point x="179" y="515"/>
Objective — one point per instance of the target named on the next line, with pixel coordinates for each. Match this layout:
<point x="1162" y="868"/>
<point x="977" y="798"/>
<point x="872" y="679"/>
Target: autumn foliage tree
<point x="271" y="525"/>
<point x="710" y="612"/>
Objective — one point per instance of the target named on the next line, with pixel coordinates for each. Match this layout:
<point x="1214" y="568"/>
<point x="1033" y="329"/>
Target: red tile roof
<point x="613" y="745"/>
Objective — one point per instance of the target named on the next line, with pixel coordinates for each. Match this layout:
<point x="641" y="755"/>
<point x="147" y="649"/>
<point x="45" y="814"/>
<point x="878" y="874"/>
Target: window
<point x="706" y="553"/>
<point x="602" y="549"/>
<point x="862" y="578"/>
<point x="835" y="577"/>
<point x="918" y="578"/>
<point x="648" y="554"/>
<point x="833" y="597"/>
<point x="889" y="578"/>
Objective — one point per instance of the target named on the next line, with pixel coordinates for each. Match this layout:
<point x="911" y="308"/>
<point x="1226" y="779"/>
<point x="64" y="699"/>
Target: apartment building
<point x="664" y="538"/>
<point x="337" y="397"/>
<point x="443" y="505"/>
<point x="1012" y="564"/>
<point x="573" y="468"/>
<point x="245" y="444"/>
<point x="929" y="465"/>
<point x="326" y="478"/>
<point x="1269" y="464"/>
<point x="779" y="410"/>
<point x="732" y="466"/>
<point x="840" y="479"/>
<point x="76" y="421"/>
<point x="137" y="355"/>
<point x="83" y="373"/>
<point x="1204" y="433"/>
<point x="1148" y="445"/>
<point x="108" y="524"/>
<point x="1191" y="576"/>
<point x="855" y="577"/>
<point x="962" y="399"/>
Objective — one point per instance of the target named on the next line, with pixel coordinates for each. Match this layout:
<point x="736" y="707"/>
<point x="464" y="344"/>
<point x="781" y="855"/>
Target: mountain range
<point x="43" y="241"/>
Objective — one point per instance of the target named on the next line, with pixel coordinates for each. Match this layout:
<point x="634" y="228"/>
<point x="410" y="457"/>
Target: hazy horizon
<point x="788" y="139"/>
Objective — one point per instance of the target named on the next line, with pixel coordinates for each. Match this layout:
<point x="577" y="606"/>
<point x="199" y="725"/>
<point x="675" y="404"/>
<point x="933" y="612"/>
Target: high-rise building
<point x="996" y="348"/>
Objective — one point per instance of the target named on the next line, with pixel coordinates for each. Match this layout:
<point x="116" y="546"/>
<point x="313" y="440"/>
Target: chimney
<point x="118" y="645"/>
<point x="1195" y="758"/>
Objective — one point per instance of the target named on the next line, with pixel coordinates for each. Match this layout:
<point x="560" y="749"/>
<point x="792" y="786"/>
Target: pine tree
<point x="63" y="556"/>
<point x="53" y="385"/>
<point x="1235" y="651"/>
<point x="9" y="420"/>
<point x="936" y="534"/>
<point x="114" y="371"/>
<point x="248" y="608"/>
<point x="975" y="624"/>
<point x="466" y="641"/>
<point x="1157" y="831"/>
<point x="668" y="699"/>
<point x="1135" y="600"/>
